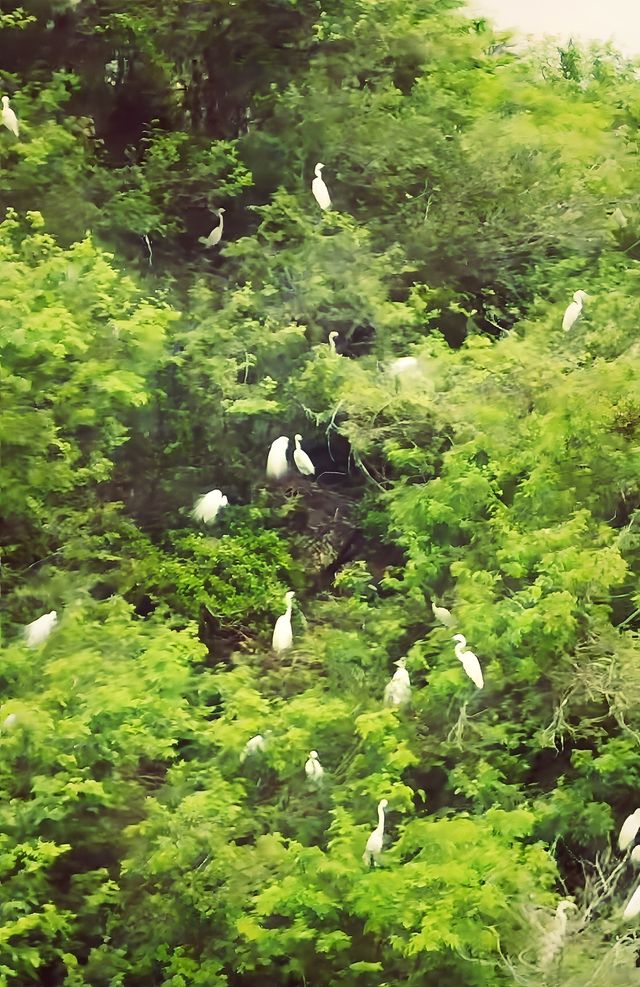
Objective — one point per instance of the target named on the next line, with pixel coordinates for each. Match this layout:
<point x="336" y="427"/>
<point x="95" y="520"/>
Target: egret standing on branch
<point x="398" y="690"/>
<point x="573" y="311"/>
<point x="282" y="633"/>
<point x="373" y="848"/>
<point x="301" y="459"/>
<point x="469" y="661"/>
<point x="255" y="745"/>
<point x="629" y="830"/>
<point x="443" y="615"/>
<point x="8" y="117"/>
<point x="215" y="236"/>
<point x="208" y="506"/>
<point x="39" y="630"/>
<point x="319" y="189"/>
<point x="313" y="769"/>
<point x="277" y="465"/>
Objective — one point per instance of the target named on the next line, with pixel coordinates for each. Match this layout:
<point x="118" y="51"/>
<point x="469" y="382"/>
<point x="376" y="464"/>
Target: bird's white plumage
<point x="215" y="236"/>
<point x="398" y="690"/>
<point x="629" y="830"/>
<point x="402" y="364"/>
<point x="39" y="630"/>
<point x="313" y="769"/>
<point x="633" y="905"/>
<point x="373" y="848"/>
<point x="9" y="722"/>
<point x="319" y="189"/>
<point x="635" y="855"/>
<point x="277" y="465"/>
<point x="208" y="506"/>
<point x="256" y="745"/>
<point x="332" y="342"/>
<point x="469" y="661"/>
<point x="443" y="615"/>
<point x="619" y="218"/>
<point x="8" y="117"/>
<point x="301" y="459"/>
<point x="572" y="313"/>
<point x="282" y="633"/>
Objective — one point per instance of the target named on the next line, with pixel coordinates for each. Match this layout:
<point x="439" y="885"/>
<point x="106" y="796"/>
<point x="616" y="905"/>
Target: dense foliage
<point x="475" y="189"/>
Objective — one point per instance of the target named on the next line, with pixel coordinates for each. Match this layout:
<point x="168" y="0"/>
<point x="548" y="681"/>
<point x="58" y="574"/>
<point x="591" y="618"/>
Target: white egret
<point x="619" y="218"/>
<point x="208" y="506"/>
<point x="554" y="939"/>
<point x="443" y="615"/>
<point x="9" y="722"/>
<point x="469" y="661"/>
<point x="282" y="633"/>
<point x="8" y="117"/>
<point x="332" y="343"/>
<point x="373" y="848"/>
<point x="402" y="365"/>
<point x="398" y="690"/>
<point x="277" y="465"/>
<point x="215" y="236"/>
<point x="39" y="630"/>
<point x="573" y="311"/>
<point x="256" y="745"/>
<point x="633" y="905"/>
<point x="629" y="830"/>
<point x="313" y="769"/>
<point x="319" y="189"/>
<point x="301" y="459"/>
<point x="635" y="855"/>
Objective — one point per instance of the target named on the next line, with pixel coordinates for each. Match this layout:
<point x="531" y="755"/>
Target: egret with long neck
<point x="373" y="848"/>
<point x="282" y="633"/>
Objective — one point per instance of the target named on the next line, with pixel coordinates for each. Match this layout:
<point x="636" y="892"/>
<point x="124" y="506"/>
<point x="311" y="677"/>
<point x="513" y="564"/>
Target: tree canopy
<point x="475" y="187"/>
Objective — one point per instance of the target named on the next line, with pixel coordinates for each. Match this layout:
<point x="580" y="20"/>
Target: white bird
<point x="256" y="745"/>
<point x="313" y="769"/>
<point x="301" y="459"/>
<point x="332" y="342"/>
<point x="635" y="855"/>
<point x="554" y="938"/>
<point x="8" y="117"/>
<point x="319" y="189"/>
<point x="282" y="633"/>
<point x="398" y="690"/>
<point x="207" y="506"/>
<point x="39" y="630"/>
<point x="633" y="905"/>
<point x="215" y="236"/>
<point x="277" y="465"/>
<point x="373" y="848"/>
<point x="469" y="661"/>
<point x="573" y="310"/>
<point x="402" y="364"/>
<point x="619" y="217"/>
<point x="629" y="830"/>
<point x="9" y="722"/>
<point x="443" y="615"/>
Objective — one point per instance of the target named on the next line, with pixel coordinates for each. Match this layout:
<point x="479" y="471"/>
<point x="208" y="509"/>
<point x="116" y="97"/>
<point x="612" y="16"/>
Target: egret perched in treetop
<point x="215" y="236"/>
<point x="633" y="905"/>
<point x="255" y="745"/>
<point x="277" y="465"/>
<point x="282" y="633"/>
<point x="469" y="661"/>
<point x="301" y="459"/>
<point x="39" y="630"/>
<point x="629" y="830"/>
<point x="332" y="342"/>
<point x="554" y="939"/>
<point x="443" y="615"/>
<point x="398" y="690"/>
<point x="319" y="189"/>
<point x="313" y="769"/>
<point x="8" y="117"/>
<point x="373" y="848"/>
<point x="207" y="507"/>
<point x="573" y="310"/>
